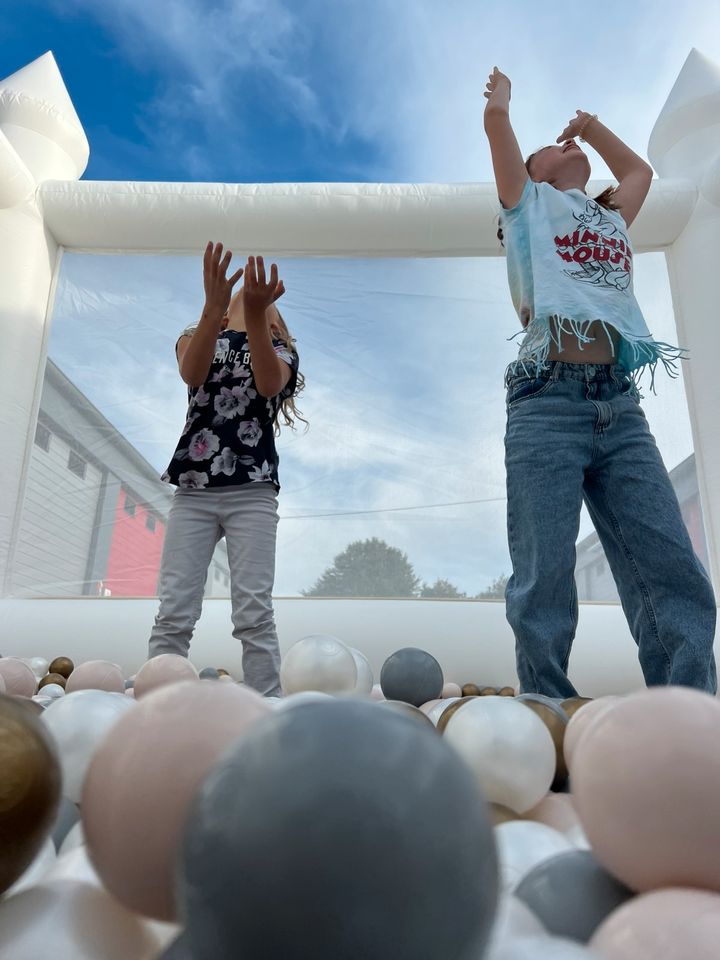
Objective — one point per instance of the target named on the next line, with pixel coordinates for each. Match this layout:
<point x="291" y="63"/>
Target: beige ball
<point x="96" y="675"/>
<point x="19" y="679"/>
<point x="672" y="924"/>
<point x="142" y="780"/>
<point x="162" y="670"/>
<point x="580" y="721"/>
<point x="646" y="783"/>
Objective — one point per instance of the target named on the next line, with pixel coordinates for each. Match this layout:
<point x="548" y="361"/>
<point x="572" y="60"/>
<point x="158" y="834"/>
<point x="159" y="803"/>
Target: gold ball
<point x="62" y="665"/>
<point x="30" y="789"/>
<point x="506" y="692"/>
<point x="488" y="692"/>
<point x="556" y="721"/>
<point x="450" y="710"/>
<point x="408" y="709"/>
<point x="52" y="678"/>
<point x="222" y="673"/>
<point x="470" y="690"/>
<point x="573" y="704"/>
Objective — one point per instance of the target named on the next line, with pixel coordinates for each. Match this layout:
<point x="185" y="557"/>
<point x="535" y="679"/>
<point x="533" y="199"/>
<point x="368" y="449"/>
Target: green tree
<point x="496" y="590"/>
<point x="442" y="589"/>
<point x="367" y="568"/>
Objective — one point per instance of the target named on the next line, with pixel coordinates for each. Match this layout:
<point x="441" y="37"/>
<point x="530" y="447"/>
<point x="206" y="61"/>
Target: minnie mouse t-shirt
<point x="228" y="439"/>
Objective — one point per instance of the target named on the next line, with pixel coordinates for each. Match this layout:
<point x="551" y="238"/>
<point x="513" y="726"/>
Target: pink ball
<point x="19" y="679"/>
<point x="671" y="924"/>
<point x="556" y="810"/>
<point x="580" y="721"/>
<point x="376" y="692"/>
<point x="96" y="675"/>
<point x="450" y="690"/>
<point x="142" y="780"/>
<point x="646" y="782"/>
<point x="2" y="684"/>
<point x="161" y="671"/>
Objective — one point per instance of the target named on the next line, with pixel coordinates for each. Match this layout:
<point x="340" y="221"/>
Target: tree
<point x="367" y="568"/>
<point x="496" y="590"/>
<point x="442" y="589"/>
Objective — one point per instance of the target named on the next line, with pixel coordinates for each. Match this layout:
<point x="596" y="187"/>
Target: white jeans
<point x="247" y="517"/>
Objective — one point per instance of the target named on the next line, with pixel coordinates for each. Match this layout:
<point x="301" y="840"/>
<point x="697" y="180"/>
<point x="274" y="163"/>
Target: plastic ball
<point x="209" y="673"/>
<point x="318" y="662"/>
<point x="365" y="680"/>
<point x="439" y="707"/>
<point x="556" y="721"/>
<point x="572" y="894"/>
<point x="29" y="790"/>
<point x="67" y="816"/>
<point x="581" y="720"/>
<point x="646" y="778"/>
<point x="513" y="919"/>
<point x="522" y="845"/>
<point x="162" y="670"/>
<point x="450" y="690"/>
<point x="56" y="679"/>
<point x="53" y="691"/>
<point x="470" y="690"/>
<point x="19" y="679"/>
<point x="143" y="776"/>
<point x="556" y="810"/>
<point x="671" y="924"/>
<point x="408" y="710"/>
<point x="96" y="675"/>
<point x="412" y="675"/>
<point x="39" y="666"/>
<point x="376" y="692"/>
<point x="38" y="869"/>
<point x="450" y="710"/>
<point x="543" y="948"/>
<point x="72" y="921"/>
<point x="75" y="838"/>
<point x="62" y="665"/>
<point x="380" y="818"/>
<point x="508" y="747"/>
<point x="78" y="724"/>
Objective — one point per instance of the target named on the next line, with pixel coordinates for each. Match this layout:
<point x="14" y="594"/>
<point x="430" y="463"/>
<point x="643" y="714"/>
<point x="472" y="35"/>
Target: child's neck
<point x="569" y="184"/>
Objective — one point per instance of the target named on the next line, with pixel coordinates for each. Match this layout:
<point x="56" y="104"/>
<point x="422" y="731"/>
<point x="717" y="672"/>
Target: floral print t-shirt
<point x="228" y="436"/>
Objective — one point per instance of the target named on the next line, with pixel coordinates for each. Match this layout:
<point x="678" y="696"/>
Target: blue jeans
<point x="574" y="432"/>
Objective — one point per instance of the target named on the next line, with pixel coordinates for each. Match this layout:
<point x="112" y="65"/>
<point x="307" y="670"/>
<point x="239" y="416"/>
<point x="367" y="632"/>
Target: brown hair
<point x="605" y="199"/>
<point x="287" y="409"/>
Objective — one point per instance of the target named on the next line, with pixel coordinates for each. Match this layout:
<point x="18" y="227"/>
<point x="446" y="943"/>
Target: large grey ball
<point x="412" y="675"/>
<point x="338" y="831"/>
<point x="571" y="894"/>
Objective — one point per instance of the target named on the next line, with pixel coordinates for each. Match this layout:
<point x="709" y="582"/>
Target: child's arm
<point x="195" y="354"/>
<point x="270" y="372"/>
<point x="510" y="173"/>
<point x="631" y="171"/>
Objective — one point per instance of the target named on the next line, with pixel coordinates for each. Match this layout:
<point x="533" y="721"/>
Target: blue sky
<point x="404" y="359"/>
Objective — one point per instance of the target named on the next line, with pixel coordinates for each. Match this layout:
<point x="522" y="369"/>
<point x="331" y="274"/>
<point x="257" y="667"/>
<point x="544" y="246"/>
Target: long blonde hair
<point x="288" y="409"/>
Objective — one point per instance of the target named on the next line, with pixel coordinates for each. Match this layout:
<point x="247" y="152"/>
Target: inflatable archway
<point x="45" y="209"/>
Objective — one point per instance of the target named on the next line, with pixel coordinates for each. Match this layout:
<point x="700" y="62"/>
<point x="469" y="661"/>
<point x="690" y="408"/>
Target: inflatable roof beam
<point x="41" y="137"/>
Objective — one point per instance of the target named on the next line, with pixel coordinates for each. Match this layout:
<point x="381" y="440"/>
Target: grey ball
<point x="129" y="684"/>
<point x="209" y="673"/>
<point x="338" y="831"/>
<point x="571" y="894"/>
<point x="411" y="675"/>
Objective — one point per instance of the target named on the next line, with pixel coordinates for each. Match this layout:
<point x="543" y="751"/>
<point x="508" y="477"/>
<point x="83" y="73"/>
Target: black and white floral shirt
<point x="228" y="437"/>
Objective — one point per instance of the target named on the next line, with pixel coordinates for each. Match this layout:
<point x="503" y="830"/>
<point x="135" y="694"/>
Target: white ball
<point x="77" y="723"/>
<point x="365" y="679"/>
<point x="522" y="845"/>
<point x="513" y="919"/>
<point x="51" y="691"/>
<point x="508" y="748"/>
<point x="39" y="666"/>
<point x="542" y="948"/>
<point x="318" y="662"/>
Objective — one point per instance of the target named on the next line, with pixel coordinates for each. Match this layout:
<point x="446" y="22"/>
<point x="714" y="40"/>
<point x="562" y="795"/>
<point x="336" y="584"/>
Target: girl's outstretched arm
<point x="260" y="292"/>
<point x="631" y="171"/>
<point x="195" y="354"/>
<point x="508" y="165"/>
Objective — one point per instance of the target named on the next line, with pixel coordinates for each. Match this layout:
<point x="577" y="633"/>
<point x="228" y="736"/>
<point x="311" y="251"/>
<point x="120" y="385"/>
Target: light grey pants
<point x="247" y="516"/>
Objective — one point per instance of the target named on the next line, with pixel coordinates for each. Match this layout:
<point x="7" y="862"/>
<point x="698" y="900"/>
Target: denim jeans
<point x="574" y="432"/>
<point x="247" y="517"/>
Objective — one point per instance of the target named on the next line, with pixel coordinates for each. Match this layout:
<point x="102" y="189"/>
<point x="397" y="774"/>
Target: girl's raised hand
<point x="258" y="292"/>
<point x="218" y="286"/>
<point x="498" y="87"/>
<point x="575" y="126"/>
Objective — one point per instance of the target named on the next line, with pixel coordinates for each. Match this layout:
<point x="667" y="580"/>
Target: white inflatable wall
<point x="44" y="209"/>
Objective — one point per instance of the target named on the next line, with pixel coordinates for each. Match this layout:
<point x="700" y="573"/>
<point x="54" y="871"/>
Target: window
<point x="76" y="464"/>
<point x="42" y="437"/>
<point x="150" y="523"/>
<point x="129" y="506"/>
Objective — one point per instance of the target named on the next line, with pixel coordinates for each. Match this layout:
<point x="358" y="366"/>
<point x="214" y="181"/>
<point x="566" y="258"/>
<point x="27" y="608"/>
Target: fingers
<point x="235" y="277"/>
<point x="207" y="258"/>
<point x="217" y="253"/>
<point x="224" y="264"/>
<point x="250" y="275"/>
<point x="261" y="271"/>
<point x="279" y="291"/>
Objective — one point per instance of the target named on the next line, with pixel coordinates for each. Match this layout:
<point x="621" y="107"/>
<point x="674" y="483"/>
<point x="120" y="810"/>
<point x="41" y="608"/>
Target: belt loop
<point x="556" y="371"/>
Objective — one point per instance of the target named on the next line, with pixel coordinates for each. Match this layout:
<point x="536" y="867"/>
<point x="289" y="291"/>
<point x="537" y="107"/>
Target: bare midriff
<point x="599" y="350"/>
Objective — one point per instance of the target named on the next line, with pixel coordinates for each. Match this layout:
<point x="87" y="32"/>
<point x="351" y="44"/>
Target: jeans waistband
<point x="559" y="370"/>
